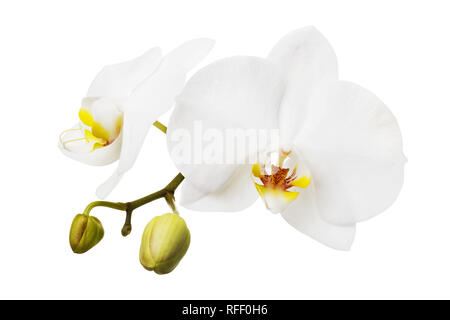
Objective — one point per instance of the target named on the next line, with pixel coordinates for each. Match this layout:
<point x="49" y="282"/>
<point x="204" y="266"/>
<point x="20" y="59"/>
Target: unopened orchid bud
<point x="165" y="241"/>
<point x="85" y="233"/>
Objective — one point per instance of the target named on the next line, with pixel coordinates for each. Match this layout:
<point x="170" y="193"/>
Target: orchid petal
<point x="353" y="148"/>
<point x="152" y="98"/>
<point x="119" y="80"/>
<point x="234" y="93"/>
<point x="303" y="215"/>
<point x="237" y="194"/>
<point x="306" y="59"/>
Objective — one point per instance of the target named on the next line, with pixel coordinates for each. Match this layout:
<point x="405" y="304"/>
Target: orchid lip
<point x="81" y="139"/>
<point x="279" y="178"/>
<point x="101" y="124"/>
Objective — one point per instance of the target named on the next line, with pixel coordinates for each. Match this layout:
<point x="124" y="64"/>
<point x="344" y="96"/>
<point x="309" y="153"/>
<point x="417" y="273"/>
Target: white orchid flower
<point x="122" y="103"/>
<point x="340" y="159"/>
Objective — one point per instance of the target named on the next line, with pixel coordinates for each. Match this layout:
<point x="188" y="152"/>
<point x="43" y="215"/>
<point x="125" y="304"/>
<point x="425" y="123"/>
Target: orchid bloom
<point x="339" y="160"/>
<point x="122" y="103"/>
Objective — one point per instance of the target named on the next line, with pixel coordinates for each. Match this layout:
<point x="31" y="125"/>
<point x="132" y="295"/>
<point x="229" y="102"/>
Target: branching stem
<point x="167" y="193"/>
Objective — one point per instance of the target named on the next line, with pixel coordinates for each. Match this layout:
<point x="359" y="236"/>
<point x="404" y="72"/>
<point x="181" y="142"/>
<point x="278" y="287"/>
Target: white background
<point x="51" y="50"/>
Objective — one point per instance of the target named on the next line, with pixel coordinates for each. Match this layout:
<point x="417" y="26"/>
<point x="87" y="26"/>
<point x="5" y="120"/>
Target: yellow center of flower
<point x="101" y="125"/>
<point x="99" y="136"/>
<point x="279" y="178"/>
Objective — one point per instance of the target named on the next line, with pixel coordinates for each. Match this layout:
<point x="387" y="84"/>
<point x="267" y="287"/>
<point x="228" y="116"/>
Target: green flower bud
<point x="164" y="243"/>
<point x="85" y="233"/>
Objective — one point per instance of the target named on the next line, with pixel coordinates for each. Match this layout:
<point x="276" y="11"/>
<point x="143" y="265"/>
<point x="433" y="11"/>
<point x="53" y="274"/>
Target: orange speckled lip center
<point x="278" y="179"/>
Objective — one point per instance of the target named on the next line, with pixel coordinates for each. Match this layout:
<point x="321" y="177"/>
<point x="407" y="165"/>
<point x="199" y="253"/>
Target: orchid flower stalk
<point x="322" y="152"/>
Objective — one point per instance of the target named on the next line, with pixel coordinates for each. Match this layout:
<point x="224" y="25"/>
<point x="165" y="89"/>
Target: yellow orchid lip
<point x="98" y="131"/>
<point x="97" y="142"/>
<point x="92" y="133"/>
<point x="85" y="136"/>
<point x="278" y="180"/>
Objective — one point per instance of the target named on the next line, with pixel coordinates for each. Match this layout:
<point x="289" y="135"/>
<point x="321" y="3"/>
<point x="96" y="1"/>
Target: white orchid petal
<point x="303" y="215"/>
<point x="353" y="148"/>
<point x="238" y="194"/>
<point x="106" y="187"/>
<point x="306" y="59"/>
<point x="233" y="93"/>
<point x="152" y="98"/>
<point x="99" y="157"/>
<point x="119" y="80"/>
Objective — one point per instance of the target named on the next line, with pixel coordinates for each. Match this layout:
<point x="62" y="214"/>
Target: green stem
<point x="142" y="201"/>
<point x="169" y="189"/>
<point x="113" y="205"/>
<point x="126" y="229"/>
<point x="167" y="192"/>
<point x="170" y="199"/>
<point x="160" y="126"/>
<point x="173" y="185"/>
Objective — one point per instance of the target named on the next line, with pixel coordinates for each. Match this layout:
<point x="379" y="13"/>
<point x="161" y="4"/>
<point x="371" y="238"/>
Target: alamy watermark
<point x="201" y="145"/>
